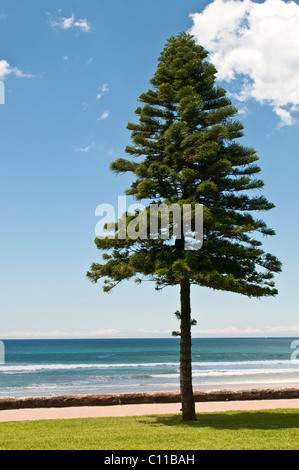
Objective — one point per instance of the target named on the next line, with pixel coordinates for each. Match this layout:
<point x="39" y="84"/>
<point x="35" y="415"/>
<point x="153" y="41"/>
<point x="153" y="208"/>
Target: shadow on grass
<point x="263" y="420"/>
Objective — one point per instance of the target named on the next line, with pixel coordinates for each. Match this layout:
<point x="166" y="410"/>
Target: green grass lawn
<point x="230" y="430"/>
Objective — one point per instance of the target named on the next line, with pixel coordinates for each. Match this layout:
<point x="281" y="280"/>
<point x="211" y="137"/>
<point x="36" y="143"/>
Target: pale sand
<point x="141" y="410"/>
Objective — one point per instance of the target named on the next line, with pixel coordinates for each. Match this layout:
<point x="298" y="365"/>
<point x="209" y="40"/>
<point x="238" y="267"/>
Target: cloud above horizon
<point x="258" y="44"/>
<point x="103" y="116"/>
<point x="6" y="69"/>
<point x="71" y="23"/>
<point x="229" y="331"/>
<point x="104" y="88"/>
<point x="85" y="149"/>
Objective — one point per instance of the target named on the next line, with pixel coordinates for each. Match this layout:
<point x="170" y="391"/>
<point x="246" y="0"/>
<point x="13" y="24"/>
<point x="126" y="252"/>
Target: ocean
<point x="83" y="366"/>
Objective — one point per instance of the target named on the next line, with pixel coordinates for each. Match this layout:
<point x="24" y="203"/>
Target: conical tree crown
<point x="185" y="150"/>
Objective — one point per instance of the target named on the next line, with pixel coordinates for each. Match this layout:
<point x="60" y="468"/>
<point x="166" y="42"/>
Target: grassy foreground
<point x="254" y="430"/>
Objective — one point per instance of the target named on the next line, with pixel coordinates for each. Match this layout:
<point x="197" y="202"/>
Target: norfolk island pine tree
<point x="185" y="151"/>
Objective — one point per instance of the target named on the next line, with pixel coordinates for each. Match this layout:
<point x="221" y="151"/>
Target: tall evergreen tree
<point x="186" y="151"/>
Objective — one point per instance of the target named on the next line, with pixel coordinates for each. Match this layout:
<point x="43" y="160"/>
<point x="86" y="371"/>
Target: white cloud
<point x="230" y="330"/>
<point x="105" y="115"/>
<point x="282" y="329"/>
<point x="35" y="334"/>
<point x="72" y="23"/>
<point x="85" y="149"/>
<point x="60" y="334"/>
<point x="257" y="43"/>
<point x="104" y="88"/>
<point x="104" y="332"/>
<point x="145" y="332"/>
<point x="6" y="70"/>
<point x="248" y="330"/>
<point x="83" y="25"/>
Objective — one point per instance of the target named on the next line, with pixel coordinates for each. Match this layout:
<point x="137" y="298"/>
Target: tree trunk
<point x="187" y="397"/>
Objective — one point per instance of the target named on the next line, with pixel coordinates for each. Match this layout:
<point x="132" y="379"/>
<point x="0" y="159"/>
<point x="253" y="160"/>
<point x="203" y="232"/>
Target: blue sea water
<point x="68" y="366"/>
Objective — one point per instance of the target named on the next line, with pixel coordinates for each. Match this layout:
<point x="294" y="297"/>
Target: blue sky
<point x="73" y="72"/>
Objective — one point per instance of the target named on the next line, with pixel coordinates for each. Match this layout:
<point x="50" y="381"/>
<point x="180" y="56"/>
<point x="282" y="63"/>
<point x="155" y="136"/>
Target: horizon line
<point x="138" y="337"/>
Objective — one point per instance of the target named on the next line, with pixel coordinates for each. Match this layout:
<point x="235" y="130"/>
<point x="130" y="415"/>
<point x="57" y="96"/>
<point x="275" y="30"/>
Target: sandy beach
<point x="141" y="409"/>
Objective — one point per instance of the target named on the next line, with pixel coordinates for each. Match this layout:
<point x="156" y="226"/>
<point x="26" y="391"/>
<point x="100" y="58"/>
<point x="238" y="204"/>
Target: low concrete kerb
<point x="62" y="401"/>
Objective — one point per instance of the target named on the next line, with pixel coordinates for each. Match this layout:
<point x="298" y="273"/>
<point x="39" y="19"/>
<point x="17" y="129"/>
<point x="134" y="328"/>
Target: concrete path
<point x="141" y="410"/>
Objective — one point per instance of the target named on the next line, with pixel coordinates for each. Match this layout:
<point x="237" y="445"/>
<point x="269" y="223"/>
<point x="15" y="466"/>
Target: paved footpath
<point x="141" y="410"/>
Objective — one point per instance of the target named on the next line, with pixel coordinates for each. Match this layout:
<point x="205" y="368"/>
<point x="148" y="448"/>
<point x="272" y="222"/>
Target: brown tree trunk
<point x="187" y="397"/>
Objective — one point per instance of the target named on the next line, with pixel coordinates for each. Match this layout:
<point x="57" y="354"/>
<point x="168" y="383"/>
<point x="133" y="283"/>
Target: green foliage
<point x="185" y="150"/>
<point x="177" y="314"/>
